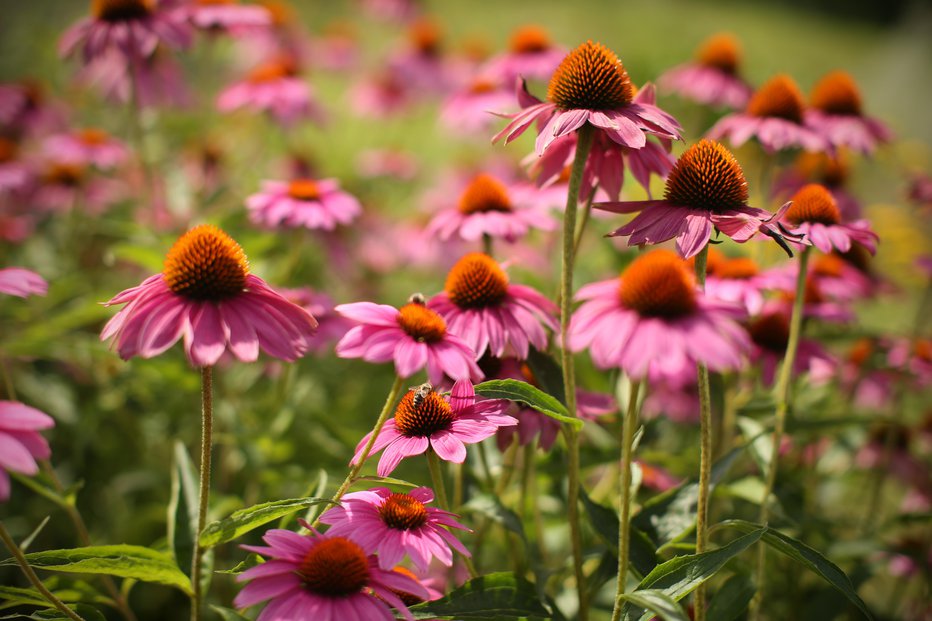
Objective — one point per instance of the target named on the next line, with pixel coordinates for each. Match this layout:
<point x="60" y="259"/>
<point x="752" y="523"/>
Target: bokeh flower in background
<point x="714" y="77"/>
<point x="303" y="203"/>
<point x="20" y="442"/>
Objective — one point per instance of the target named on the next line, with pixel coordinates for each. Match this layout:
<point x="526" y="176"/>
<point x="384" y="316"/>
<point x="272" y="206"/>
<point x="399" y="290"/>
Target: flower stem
<point x="782" y="394"/>
<point x="383" y="416"/>
<point x="207" y="425"/>
<point x="32" y="577"/>
<point x="705" y="450"/>
<point x="583" y="145"/>
<point x="440" y="489"/>
<point x="624" y="522"/>
<point x="583" y="221"/>
<point x="487" y="244"/>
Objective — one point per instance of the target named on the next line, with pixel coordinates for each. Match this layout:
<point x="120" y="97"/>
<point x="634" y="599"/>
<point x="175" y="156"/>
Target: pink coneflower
<point x="308" y="203"/>
<point x="605" y="166"/>
<point x="656" y="478"/>
<point x="20" y="442"/>
<point x="489" y="313"/>
<point x="414" y="337"/>
<point x="389" y="163"/>
<point x="531" y="55"/>
<point x="469" y="109"/>
<point x="770" y="334"/>
<point x="590" y="86"/>
<point x="331" y="325"/>
<point x="421" y="66"/>
<point x="337" y="48"/>
<point x="914" y="356"/>
<point x="832" y="171"/>
<point x="815" y="214"/>
<point x="839" y="279"/>
<point x="426" y="420"/>
<point x="317" y="577"/>
<point x="836" y="112"/>
<point x="25" y="108"/>
<point x="158" y="80"/>
<point x="380" y="96"/>
<point x="87" y="147"/>
<point x="705" y="189"/>
<point x="207" y="296"/>
<point x="735" y="280"/>
<point x="65" y="185"/>
<point x="274" y="87"/>
<point x="775" y="116"/>
<point x="14" y="173"/>
<point x="395" y="524"/>
<point x="653" y="322"/>
<point x="226" y="16"/>
<point x="713" y="78"/>
<point x="134" y="28"/>
<point x="487" y="206"/>
<point x="863" y="375"/>
<point x="22" y="282"/>
<point x="675" y="398"/>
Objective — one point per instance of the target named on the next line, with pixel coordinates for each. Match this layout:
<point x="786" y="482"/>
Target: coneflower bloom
<point x="226" y="16"/>
<point x="15" y="174"/>
<point x="20" y="442"/>
<point x="206" y="296"/>
<point x="21" y="282"/>
<point x="832" y="171"/>
<point x="734" y="280"/>
<point x="775" y="116"/>
<point x="713" y="78"/>
<point x="307" y="203"/>
<point x="274" y="87"/>
<point x="815" y="214"/>
<point x="87" y="147"/>
<point x="653" y="322"/>
<point x="705" y="189"/>
<point x="770" y="335"/>
<point x="428" y="420"/>
<point x="64" y="186"/>
<point x="491" y="314"/>
<point x="468" y="110"/>
<point x="158" y="80"/>
<point x="134" y="28"/>
<point x="421" y="65"/>
<point x="381" y="95"/>
<point x="331" y="325"/>
<point x="589" y="86"/>
<point x="489" y="206"/>
<point x="836" y="112"/>
<point x="395" y="524"/>
<point x="531" y="55"/>
<point x="317" y="577"/>
<point x="414" y="337"/>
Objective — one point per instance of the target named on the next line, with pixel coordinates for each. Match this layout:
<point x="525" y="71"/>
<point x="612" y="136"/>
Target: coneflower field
<point x="477" y="311"/>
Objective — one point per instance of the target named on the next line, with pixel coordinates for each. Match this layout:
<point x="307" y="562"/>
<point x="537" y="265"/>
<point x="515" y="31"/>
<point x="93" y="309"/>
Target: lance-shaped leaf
<point x="182" y="508"/>
<point x="241" y="522"/>
<point x="658" y="602"/>
<point x="515" y="390"/>
<point x="493" y="597"/>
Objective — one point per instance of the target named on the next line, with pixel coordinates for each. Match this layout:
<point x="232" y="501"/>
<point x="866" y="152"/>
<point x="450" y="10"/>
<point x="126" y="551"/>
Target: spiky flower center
<point x="529" y="40"/>
<point x="739" y="268"/>
<point x="8" y="150"/>
<point x="334" y="567"/>
<point x="476" y="281"/>
<point x="275" y="69"/>
<point x="829" y="265"/>
<point x="408" y="599"/>
<point x="771" y="332"/>
<point x="281" y="12"/>
<point x="421" y="414"/>
<point x="206" y="264"/>
<point x="60" y="173"/>
<point x="814" y="203"/>
<point x="721" y="51"/>
<point x="922" y="349"/>
<point x="822" y="168"/>
<point x="484" y="193"/>
<point x="779" y="97"/>
<point x="403" y="512"/>
<point x="837" y="93"/>
<point x="216" y="2"/>
<point x="481" y="86"/>
<point x="93" y="137"/>
<point x="591" y="77"/>
<point x="421" y="323"/>
<point x="120" y="10"/>
<point x="861" y="351"/>
<point x="304" y="190"/>
<point x="658" y="284"/>
<point x="707" y="176"/>
<point x="426" y="37"/>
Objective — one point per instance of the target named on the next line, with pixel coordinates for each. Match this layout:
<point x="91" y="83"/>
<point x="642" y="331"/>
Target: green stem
<point x="7" y="379"/>
<point x="583" y="221"/>
<point x="782" y="394"/>
<point x="487" y="244"/>
<point x="705" y="451"/>
<point x="207" y="425"/>
<point x="624" y="522"/>
<point x="583" y="146"/>
<point x="440" y="490"/>
<point x="32" y="577"/>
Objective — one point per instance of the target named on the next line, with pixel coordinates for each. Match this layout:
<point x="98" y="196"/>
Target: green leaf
<point x="241" y="522"/>
<point x="493" y="509"/>
<point x="88" y="613"/>
<point x="250" y="561"/>
<point x="803" y="554"/>
<point x="605" y="522"/>
<point x="123" y="561"/>
<point x="759" y="441"/>
<point x="182" y="509"/>
<point x="682" y="574"/>
<point x="523" y="392"/>
<point x="732" y="599"/>
<point x="493" y="597"/>
<point x="659" y="603"/>
<point x="25" y="543"/>
<point x="228" y="615"/>
<point x="548" y="373"/>
<point x="21" y="596"/>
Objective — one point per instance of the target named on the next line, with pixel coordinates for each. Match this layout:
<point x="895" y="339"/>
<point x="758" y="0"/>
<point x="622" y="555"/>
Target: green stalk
<point x="624" y="522"/>
<point x="583" y="146"/>
<point x="705" y="451"/>
<point x="383" y="416"/>
<point x="440" y="489"/>
<point x="207" y="425"/>
<point x="782" y="394"/>
<point x="33" y="578"/>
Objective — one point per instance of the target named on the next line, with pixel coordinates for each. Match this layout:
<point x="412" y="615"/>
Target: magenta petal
<point x="448" y="447"/>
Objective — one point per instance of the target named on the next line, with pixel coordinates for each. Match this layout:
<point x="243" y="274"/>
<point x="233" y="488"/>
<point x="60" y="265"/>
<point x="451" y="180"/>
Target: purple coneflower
<point x="226" y="16"/>
<point x="425" y="420"/>
<point x="274" y="87"/>
<point x="705" y="189"/>
<point x="713" y="78"/>
<point x="531" y="55"/>
<point x="22" y="282"/>
<point x="815" y="214"/>
<point x="395" y="524"/>
<point x="770" y="335"/>
<point x="491" y="314"/>
<point x="413" y="336"/>
<point x="836" y="112"/>
<point x="832" y="171"/>
<point x="87" y="147"/>
<point x="734" y="280"/>
<point x="653" y="322"/>
<point x="20" y="442"/>
<point x="468" y="110"/>
<point x="317" y="577"/>
<point x="207" y="296"/>
<point x="307" y="203"/>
